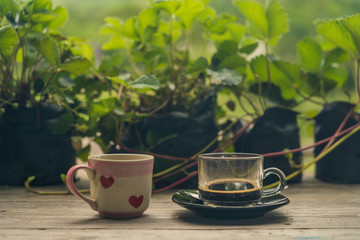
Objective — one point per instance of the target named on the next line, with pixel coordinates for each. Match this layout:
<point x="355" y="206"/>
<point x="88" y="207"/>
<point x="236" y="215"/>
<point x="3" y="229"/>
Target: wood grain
<point x="317" y="211"/>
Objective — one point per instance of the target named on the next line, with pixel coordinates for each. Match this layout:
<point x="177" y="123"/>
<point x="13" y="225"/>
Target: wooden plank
<point x="317" y="210"/>
<point x="254" y="234"/>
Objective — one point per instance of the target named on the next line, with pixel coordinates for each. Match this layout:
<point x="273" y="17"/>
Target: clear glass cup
<point x="231" y="179"/>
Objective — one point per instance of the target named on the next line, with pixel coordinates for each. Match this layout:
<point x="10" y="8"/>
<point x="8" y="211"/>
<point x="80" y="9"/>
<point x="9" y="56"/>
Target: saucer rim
<point x="279" y="202"/>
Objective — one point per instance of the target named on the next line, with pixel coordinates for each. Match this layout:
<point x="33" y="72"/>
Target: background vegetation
<point x="87" y="17"/>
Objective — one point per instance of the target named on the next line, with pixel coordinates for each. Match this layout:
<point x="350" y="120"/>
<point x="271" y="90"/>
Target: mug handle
<point x="70" y="183"/>
<point x="282" y="181"/>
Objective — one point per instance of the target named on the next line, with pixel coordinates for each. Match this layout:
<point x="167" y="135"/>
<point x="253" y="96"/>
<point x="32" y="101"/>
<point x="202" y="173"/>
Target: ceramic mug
<point x="231" y="179"/>
<point x="120" y="184"/>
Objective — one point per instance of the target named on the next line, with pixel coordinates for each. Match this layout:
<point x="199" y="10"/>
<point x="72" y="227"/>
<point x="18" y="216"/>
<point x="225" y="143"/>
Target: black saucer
<point x="189" y="199"/>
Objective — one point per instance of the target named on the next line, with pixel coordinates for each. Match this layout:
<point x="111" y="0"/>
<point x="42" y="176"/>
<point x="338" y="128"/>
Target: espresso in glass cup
<point x="235" y="179"/>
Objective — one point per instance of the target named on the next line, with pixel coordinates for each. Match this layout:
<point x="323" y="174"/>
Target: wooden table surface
<point x="317" y="211"/>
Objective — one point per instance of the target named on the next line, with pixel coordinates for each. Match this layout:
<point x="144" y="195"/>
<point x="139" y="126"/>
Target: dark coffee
<point x="230" y="191"/>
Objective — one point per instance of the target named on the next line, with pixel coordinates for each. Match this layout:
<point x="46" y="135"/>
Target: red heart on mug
<point x="106" y="182"/>
<point x="136" y="201"/>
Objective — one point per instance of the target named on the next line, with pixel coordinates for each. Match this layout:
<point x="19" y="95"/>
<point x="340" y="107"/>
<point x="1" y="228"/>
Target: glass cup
<point x="235" y="179"/>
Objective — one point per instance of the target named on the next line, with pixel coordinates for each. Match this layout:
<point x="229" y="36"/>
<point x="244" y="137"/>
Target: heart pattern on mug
<point x="106" y="182"/>
<point x="136" y="201"/>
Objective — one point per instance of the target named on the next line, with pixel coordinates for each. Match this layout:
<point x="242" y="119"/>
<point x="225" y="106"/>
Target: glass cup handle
<point x="282" y="181"/>
<point x="70" y="183"/>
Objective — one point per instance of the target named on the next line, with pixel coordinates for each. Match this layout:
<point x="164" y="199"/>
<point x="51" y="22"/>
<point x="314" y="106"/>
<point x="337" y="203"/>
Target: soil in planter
<point x="275" y="131"/>
<point x="343" y="163"/>
<point x="28" y="148"/>
<point x="179" y="134"/>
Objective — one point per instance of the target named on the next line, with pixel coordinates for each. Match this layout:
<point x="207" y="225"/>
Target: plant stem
<point x="260" y="92"/>
<point x="306" y="98"/>
<point x="191" y="175"/>
<point x="159" y="174"/>
<point x="313" y="145"/>
<point x="47" y="84"/>
<point x="169" y="174"/>
<point x="341" y="126"/>
<point x="267" y="64"/>
<point x="318" y="158"/>
<point x="30" y="189"/>
<point x="357" y="77"/>
<point x="234" y="138"/>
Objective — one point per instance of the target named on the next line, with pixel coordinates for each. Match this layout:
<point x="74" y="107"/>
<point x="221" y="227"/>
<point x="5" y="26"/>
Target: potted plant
<point x="339" y="44"/>
<point x="37" y="69"/>
<point x="268" y="94"/>
<point x="156" y="94"/>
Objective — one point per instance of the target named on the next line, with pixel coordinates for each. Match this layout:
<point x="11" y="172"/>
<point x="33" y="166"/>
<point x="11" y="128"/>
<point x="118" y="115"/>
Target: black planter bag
<point x="343" y="163"/>
<point x="28" y="148"/>
<point x="275" y="131"/>
<point x="195" y="130"/>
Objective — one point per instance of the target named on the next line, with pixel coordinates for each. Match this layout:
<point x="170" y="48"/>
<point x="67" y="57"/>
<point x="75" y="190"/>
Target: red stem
<point x="313" y="145"/>
<point x="156" y="155"/>
<point x="176" y="183"/>
<point x="234" y="138"/>
<point x="339" y="128"/>
<point x="265" y="155"/>
<point x="175" y="172"/>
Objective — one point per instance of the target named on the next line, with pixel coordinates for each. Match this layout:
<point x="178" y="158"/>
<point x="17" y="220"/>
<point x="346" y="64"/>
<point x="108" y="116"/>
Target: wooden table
<point x="317" y="211"/>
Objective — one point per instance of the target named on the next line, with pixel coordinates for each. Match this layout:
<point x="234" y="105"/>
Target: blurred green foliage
<point x="86" y="17"/>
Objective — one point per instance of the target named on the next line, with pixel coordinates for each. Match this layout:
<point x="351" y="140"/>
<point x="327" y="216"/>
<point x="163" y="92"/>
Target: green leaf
<point x="227" y="48"/>
<point x="101" y="108"/>
<point x="115" y="42"/>
<point x="226" y="77"/>
<point x="273" y="94"/>
<point x="42" y="5"/>
<point x="157" y="136"/>
<point x="337" y="33"/>
<point x="61" y="17"/>
<point x="146" y="82"/>
<point x="66" y="81"/>
<point x="147" y="34"/>
<point x="8" y="6"/>
<point x="129" y="29"/>
<point x="30" y="179"/>
<point x="278" y="77"/>
<point x="8" y="38"/>
<point x="50" y="50"/>
<point x="120" y="80"/>
<point x="233" y="62"/>
<point x="219" y="24"/>
<point x="63" y="178"/>
<point x="290" y="70"/>
<point x="60" y="125"/>
<point x="112" y="26"/>
<point x="337" y="74"/>
<point x="254" y="12"/>
<point x="188" y="11"/>
<point x="75" y="65"/>
<point x="42" y="17"/>
<point x="147" y="18"/>
<point x="101" y="143"/>
<point x="352" y="24"/>
<point x="337" y="55"/>
<point x="169" y="6"/>
<point x="236" y="30"/>
<point x="247" y="49"/>
<point x="200" y="65"/>
<point x="84" y="153"/>
<point x="310" y="53"/>
<point x="277" y="19"/>
<point x="325" y="44"/>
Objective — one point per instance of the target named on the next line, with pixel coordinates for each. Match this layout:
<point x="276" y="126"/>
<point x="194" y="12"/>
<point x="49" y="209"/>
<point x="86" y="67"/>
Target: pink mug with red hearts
<point x="120" y="184"/>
